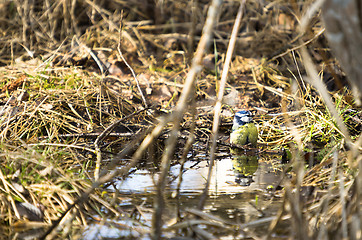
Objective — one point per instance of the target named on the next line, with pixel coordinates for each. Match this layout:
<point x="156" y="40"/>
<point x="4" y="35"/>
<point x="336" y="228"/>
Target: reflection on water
<point x="194" y="179"/>
<point x="237" y="193"/>
<point x="232" y="208"/>
<point x="254" y="171"/>
<point x="245" y="166"/>
<point x="234" y="174"/>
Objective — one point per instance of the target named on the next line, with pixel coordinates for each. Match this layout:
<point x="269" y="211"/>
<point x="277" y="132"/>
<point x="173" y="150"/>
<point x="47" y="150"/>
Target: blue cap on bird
<point x="241" y="118"/>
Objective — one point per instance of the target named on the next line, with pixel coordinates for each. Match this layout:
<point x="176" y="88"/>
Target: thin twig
<point x="188" y="146"/>
<point x="124" y="60"/>
<point x="64" y="145"/>
<point x="91" y="135"/>
<point x="177" y="114"/>
<point x="218" y="105"/>
<point x="102" y="136"/>
<point x="299" y="46"/>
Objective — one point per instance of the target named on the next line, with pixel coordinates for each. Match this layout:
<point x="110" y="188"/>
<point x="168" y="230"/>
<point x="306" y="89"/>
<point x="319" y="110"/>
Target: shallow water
<point x="225" y="177"/>
<point x="237" y="194"/>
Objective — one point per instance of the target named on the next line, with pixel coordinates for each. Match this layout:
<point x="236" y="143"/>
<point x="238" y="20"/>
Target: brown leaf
<point x="13" y="85"/>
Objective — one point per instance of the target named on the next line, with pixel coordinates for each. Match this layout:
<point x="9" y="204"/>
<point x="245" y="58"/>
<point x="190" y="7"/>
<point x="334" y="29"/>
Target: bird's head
<point x="241" y="118"/>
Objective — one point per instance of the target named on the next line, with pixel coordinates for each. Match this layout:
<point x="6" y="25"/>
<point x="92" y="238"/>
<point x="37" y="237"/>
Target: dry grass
<point x="67" y="101"/>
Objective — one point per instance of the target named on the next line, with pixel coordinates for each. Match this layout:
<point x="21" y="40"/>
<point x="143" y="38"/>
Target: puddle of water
<point x="237" y="194"/>
<point x="232" y="208"/>
<point x="230" y="175"/>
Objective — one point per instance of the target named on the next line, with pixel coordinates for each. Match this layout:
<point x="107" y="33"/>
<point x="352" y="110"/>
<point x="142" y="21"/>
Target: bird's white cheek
<point x="246" y="119"/>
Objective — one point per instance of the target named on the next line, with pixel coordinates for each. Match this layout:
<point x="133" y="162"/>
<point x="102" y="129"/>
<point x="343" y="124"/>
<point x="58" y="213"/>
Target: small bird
<point x="244" y="130"/>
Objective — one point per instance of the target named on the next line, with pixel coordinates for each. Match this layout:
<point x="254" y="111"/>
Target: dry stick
<point x="191" y="37"/>
<point x="124" y="60"/>
<point x="355" y="228"/>
<point x="178" y="112"/>
<point x="299" y="46"/>
<point x="218" y="104"/>
<point x="102" y="136"/>
<point x="298" y="223"/>
<point x="188" y="146"/>
<point x="100" y="64"/>
<point x="65" y="145"/>
<point x="50" y="59"/>
<point x="342" y="196"/>
<point x="7" y="190"/>
<point x="93" y="135"/>
<point x="278" y="218"/>
<point x="325" y="204"/>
